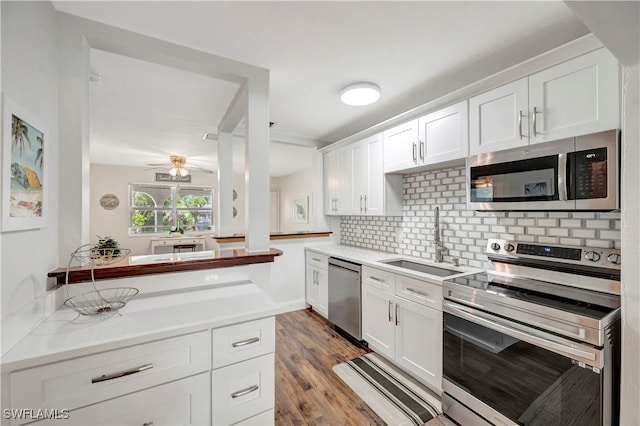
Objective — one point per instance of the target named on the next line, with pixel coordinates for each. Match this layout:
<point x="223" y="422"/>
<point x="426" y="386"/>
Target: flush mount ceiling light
<point x="359" y="94"/>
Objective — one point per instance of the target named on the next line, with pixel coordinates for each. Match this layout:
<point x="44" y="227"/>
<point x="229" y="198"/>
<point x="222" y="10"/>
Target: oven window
<point x="526" y="383"/>
<point x="532" y="179"/>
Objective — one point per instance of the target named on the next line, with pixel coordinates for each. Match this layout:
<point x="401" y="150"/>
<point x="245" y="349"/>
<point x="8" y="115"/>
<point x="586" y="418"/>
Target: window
<point x="155" y="209"/>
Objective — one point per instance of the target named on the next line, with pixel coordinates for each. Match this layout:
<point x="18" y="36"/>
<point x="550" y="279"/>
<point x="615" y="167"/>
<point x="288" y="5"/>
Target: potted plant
<point x="105" y="250"/>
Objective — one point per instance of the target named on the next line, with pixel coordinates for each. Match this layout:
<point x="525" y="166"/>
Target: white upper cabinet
<point x="498" y="119"/>
<point x="337" y="181"/>
<point x="401" y="147"/>
<point x="437" y="137"/>
<point x="444" y="134"/>
<point x="576" y="97"/>
<point x="356" y="184"/>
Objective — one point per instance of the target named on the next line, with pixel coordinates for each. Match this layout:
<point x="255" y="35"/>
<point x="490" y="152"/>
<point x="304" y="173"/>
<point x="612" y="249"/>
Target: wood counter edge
<point x="83" y="274"/>
<point x="292" y="236"/>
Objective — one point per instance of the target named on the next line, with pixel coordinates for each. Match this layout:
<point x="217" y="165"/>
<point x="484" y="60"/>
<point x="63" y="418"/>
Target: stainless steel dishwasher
<point x="345" y="296"/>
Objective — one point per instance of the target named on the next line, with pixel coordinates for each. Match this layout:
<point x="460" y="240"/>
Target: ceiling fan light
<point x="173" y="171"/>
<point x="183" y="172"/>
<point x="359" y="94"/>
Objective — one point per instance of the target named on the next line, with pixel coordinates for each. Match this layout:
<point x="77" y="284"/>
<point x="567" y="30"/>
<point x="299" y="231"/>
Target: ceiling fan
<point x="179" y="166"/>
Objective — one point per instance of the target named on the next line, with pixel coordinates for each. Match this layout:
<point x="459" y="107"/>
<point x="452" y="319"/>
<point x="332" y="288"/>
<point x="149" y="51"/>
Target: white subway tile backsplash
<point x="465" y="232"/>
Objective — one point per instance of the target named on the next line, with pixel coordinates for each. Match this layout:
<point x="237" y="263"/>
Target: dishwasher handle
<point x="339" y="263"/>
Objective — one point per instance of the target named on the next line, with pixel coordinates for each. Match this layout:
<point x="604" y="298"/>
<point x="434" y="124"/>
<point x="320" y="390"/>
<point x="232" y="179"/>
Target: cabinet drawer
<point x="243" y="390"/>
<point x="78" y="382"/>
<point x="419" y="291"/>
<point x="183" y="402"/>
<point x="243" y="341"/>
<point x="317" y="259"/>
<point x="379" y="278"/>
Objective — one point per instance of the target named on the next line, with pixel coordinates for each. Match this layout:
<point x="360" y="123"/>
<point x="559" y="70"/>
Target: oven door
<point x="530" y="178"/>
<point x="509" y="373"/>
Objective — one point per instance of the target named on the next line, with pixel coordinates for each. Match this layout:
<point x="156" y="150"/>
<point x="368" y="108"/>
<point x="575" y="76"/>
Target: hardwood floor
<point x="308" y="392"/>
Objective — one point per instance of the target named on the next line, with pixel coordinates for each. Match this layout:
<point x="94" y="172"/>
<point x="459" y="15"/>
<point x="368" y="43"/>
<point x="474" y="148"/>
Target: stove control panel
<point x="608" y="258"/>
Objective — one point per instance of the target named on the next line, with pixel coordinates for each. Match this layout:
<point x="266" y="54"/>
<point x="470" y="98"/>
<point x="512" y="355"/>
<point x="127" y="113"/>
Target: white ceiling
<point x="415" y="51"/>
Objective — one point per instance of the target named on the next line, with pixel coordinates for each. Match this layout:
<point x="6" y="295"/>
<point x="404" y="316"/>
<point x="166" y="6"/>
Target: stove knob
<point x="614" y="258"/>
<point x="509" y="247"/>
<point x="592" y="256"/>
<point x="495" y="246"/>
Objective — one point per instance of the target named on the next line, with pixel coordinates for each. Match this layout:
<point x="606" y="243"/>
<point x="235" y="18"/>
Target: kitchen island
<point x="197" y="356"/>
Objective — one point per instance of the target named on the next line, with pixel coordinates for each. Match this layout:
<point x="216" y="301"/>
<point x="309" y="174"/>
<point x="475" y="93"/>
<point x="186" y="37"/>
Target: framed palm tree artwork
<point x="25" y="141"/>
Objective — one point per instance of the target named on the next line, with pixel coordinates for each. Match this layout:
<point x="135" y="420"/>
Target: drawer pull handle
<point x="245" y="342"/>
<point x="421" y="293"/>
<point x="380" y="280"/>
<point x="244" y="392"/>
<point x="112" y="376"/>
<point x="316" y="259"/>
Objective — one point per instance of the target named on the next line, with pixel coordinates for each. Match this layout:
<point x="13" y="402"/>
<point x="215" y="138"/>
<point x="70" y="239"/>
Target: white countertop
<point x="375" y="258"/>
<point x="145" y="318"/>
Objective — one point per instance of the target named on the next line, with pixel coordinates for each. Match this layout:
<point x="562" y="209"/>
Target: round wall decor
<point x="109" y="201"/>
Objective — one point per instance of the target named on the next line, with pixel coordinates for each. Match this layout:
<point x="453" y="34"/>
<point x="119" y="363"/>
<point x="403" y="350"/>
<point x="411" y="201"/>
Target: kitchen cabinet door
<point x="444" y="135"/>
<point x="322" y="277"/>
<point x="499" y="118"/>
<point x="401" y="147"/>
<point x="313" y="291"/>
<point x="337" y="180"/>
<point x="317" y="284"/>
<point x="374" y="202"/>
<point x="576" y="97"/>
<point x="418" y="343"/>
<point x="182" y="402"/>
<point x="378" y="327"/>
<point x="359" y="173"/>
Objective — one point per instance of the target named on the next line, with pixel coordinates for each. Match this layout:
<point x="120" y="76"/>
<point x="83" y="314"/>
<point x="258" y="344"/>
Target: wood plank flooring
<point x="308" y="392"/>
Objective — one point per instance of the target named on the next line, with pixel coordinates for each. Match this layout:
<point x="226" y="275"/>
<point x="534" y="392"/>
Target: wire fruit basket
<point x="98" y="303"/>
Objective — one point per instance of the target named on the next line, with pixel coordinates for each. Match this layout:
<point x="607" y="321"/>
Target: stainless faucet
<point x="440" y="248"/>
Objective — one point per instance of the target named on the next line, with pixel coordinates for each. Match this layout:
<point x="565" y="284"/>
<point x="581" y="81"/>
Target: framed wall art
<point x="301" y="210"/>
<point x="25" y="161"/>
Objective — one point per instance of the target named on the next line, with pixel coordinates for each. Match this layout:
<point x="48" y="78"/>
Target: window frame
<point x="174" y="191"/>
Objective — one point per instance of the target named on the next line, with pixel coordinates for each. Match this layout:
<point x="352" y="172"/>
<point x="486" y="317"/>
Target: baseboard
<point x="292" y="305"/>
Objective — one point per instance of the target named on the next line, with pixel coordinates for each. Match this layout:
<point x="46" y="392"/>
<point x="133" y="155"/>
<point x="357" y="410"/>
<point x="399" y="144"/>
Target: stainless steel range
<point x="534" y="340"/>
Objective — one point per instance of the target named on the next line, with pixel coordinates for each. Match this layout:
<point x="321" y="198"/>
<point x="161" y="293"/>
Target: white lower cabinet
<point x="183" y="402"/>
<point x="317" y="282"/>
<point x="408" y="332"/>
<point x="419" y="341"/>
<point x="221" y="375"/>
<point x="243" y="390"/>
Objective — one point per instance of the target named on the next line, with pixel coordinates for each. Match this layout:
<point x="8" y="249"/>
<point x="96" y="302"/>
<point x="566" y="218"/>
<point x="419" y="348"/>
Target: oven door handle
<point x="472" y="315"/>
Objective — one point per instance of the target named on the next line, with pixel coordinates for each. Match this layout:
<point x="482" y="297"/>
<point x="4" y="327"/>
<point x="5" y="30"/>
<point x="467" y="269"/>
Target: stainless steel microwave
<point x="581" y="173"/>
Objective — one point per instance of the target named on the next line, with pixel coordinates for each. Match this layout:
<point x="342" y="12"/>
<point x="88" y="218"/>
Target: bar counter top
<point x="161" y="263"/>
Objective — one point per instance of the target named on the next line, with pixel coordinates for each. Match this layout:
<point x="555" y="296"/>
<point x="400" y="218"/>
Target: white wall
<point x="110" y="179"/>
<point x="297" y="186"/>
<point x="29" y="76"/>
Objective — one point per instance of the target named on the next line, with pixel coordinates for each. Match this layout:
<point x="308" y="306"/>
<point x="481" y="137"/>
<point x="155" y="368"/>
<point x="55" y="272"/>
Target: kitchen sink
<point x="421" y="267"/>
